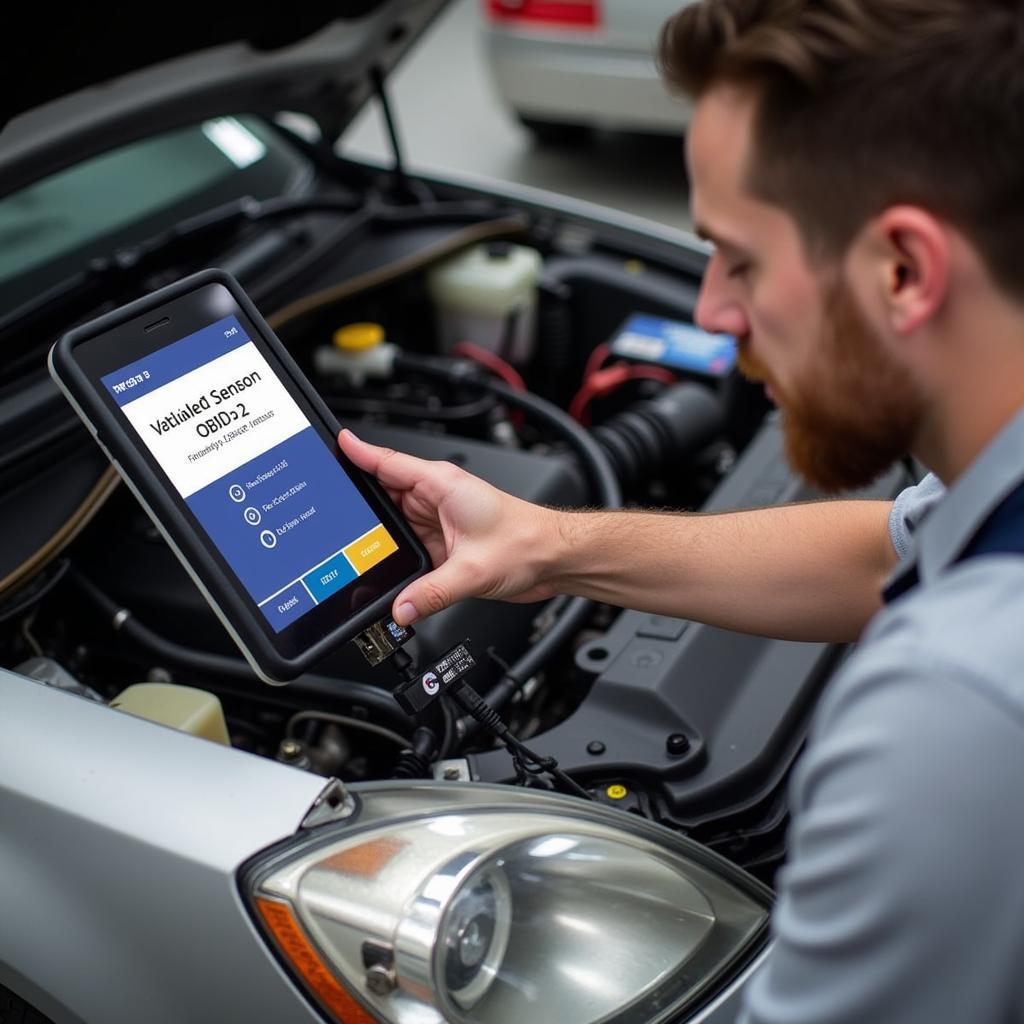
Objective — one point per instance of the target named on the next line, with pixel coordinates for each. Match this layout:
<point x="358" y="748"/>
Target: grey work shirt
<point x="903" y="896"/>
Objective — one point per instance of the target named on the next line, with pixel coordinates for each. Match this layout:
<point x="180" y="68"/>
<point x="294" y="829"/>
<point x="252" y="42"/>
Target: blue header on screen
<point x="180" y="357"/>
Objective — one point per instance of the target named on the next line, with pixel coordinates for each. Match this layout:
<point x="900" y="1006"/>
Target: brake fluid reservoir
<point x="488" y="295"/>
<point x="357" y="351"/>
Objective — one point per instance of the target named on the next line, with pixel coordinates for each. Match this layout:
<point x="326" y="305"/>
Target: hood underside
<point x="100" y="82"/>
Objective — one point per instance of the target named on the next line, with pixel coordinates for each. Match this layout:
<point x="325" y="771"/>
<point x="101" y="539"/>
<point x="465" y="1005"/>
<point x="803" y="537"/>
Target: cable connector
<point x="421" y="688"/>
<point x="380" y="641"/>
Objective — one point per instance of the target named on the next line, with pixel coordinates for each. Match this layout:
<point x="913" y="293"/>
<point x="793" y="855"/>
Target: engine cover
<point x="705" y="722"/>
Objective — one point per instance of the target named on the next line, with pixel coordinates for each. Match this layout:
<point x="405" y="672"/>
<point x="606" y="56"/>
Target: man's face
<point x="849" y="407"/>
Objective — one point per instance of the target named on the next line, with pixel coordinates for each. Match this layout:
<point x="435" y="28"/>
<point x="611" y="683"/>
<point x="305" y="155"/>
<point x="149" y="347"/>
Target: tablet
<point x="234" y="456"/>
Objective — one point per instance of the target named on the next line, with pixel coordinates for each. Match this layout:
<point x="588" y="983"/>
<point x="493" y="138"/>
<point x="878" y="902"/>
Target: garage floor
<point x="450" y="119"/>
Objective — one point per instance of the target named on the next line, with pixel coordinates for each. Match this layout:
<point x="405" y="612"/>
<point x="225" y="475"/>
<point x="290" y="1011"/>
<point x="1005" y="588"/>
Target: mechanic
<point x="859" y="166"/>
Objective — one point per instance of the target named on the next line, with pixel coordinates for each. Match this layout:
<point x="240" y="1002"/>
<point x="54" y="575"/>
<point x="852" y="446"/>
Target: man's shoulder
<point x="967" y="627"/>
<point x="932" y="699"/>
<point x="903" y="839"/>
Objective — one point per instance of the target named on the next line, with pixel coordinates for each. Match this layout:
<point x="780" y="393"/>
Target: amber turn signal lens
<point x="305" y="960"/>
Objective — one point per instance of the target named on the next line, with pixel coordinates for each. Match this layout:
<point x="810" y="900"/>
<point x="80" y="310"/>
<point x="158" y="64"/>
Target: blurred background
<point x="599" y="125"/>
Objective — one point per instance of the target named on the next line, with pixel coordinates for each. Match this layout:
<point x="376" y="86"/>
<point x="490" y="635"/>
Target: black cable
<point x="122" y="621"/>
<point x="33" y="591"/>
<point x="522" y="756"/>
<point x="606" y="486"/>
<point x="464" y="371"/>
<point x="345" y="404"/>
<point x="449" y="735"/>
<point x="402" y="663"/>
<point x="414" y="763"/>
<point x="346" y="722"/>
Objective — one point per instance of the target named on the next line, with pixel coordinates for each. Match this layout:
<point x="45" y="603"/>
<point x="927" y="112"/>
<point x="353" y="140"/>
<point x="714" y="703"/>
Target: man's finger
<point x="391" y="468"/>
<point x="396" y="470"/>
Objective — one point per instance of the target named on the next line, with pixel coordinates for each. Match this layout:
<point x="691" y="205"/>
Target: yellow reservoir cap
<point x="616" y="792"/>
<point x="358" y="337"/>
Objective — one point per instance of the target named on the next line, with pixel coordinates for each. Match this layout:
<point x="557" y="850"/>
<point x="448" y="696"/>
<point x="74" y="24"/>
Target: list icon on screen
<point x="236" y="492"/>
<point x="252" y="516"/>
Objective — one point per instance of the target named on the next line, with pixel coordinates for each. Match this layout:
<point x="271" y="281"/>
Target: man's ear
<point x="911" y="255"/>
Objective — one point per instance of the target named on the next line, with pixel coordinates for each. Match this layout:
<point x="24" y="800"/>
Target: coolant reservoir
<point x="181" y="707"/>
<point x="488" y="295"/>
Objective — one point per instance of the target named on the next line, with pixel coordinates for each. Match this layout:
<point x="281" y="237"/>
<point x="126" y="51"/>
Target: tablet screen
<point x="257" y="476"/>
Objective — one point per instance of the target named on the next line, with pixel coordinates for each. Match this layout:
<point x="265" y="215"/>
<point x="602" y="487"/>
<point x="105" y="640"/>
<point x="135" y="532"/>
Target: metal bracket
<point x="335" y="803"/>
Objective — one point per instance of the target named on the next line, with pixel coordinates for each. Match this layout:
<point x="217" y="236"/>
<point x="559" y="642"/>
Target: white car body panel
<point x="604" y="77"/>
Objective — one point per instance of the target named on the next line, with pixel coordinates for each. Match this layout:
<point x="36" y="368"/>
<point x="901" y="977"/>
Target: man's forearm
<point x="801" y="572"/>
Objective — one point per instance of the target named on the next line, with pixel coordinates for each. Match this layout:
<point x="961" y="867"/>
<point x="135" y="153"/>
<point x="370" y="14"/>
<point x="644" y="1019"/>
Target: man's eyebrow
<point x="717" y="240"/>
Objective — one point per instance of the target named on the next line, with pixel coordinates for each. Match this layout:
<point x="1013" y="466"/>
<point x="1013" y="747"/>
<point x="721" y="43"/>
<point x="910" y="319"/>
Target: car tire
<point x="14" y="1010"/>
<point x="556" y="133"/>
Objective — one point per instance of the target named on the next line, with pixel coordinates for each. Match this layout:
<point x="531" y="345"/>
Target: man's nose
<point x="718" y="310"/>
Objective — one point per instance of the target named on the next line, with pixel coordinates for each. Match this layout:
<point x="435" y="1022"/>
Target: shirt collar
<point x="980" y="489"/>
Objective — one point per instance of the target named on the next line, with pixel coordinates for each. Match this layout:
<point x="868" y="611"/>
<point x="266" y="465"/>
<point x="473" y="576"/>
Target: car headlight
<point x="496" y="905"/>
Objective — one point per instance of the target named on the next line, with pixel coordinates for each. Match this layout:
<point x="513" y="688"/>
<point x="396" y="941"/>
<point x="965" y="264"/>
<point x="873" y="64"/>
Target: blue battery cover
<point x="675" y="345"/>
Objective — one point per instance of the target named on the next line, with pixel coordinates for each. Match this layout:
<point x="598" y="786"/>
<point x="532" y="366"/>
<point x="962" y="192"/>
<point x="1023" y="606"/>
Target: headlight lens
<point x="474" y="937"/>
<point x="497" y="905"/>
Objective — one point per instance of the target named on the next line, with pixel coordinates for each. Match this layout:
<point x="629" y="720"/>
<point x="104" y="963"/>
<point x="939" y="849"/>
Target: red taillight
<point x="553" y="13"/>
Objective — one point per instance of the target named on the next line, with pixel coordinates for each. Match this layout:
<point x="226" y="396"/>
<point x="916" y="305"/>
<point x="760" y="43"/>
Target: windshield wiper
<point x="104" y="271"/>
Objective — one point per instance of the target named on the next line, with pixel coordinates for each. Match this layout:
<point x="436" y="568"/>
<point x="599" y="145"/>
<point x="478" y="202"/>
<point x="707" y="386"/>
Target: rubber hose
<point x="122" y="620"/>
<point x="680" y="422"/>
<point x="606" y="486"/>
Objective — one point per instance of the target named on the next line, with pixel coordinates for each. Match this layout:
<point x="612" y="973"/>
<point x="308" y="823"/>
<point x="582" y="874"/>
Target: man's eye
<point x="737" y="270"/>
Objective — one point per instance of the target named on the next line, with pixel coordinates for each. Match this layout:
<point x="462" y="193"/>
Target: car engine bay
<point x="692" y="726"/>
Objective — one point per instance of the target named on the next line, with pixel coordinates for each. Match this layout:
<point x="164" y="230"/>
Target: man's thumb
<point x="431" y="593"/>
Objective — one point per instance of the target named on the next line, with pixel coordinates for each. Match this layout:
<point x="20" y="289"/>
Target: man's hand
<point x="801" y="572"/>
<point x="482" y="541"/>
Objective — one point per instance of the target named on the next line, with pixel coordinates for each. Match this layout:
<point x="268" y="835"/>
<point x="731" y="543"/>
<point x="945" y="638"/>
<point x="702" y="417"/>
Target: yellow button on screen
<point x="371" y="548"/>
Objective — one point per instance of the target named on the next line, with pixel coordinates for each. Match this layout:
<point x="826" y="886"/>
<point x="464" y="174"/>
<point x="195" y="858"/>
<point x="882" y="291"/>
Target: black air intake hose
<point x="658" y="432"/>
<point x="577" y="610"/>
<point x="414" y="761"/>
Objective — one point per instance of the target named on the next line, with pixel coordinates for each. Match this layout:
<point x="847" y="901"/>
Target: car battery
<point x="677" y="346"/>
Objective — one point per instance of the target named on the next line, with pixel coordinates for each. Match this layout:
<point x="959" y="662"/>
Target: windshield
<point x="51" y="229"/>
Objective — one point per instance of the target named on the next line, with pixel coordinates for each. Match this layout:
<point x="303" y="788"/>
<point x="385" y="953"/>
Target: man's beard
<point x="854" y="412"/>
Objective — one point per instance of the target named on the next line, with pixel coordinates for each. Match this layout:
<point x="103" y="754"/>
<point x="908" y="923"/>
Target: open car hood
<point x="103" y="81"/>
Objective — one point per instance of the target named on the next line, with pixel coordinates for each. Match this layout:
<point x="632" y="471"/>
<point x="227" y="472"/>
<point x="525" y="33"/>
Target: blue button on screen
<point x="330" y="577"/>
<point x="287" y="606"/>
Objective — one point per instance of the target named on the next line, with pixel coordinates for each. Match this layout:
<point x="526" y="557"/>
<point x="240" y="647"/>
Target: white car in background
<point x="568" y="66"/>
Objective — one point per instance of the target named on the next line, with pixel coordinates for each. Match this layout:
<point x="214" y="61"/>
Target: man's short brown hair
<point x="866" y="103"/>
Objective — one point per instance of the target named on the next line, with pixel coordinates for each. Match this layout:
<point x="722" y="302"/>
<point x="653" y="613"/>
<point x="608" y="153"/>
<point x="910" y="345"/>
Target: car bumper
<point x="578" y="83"/>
